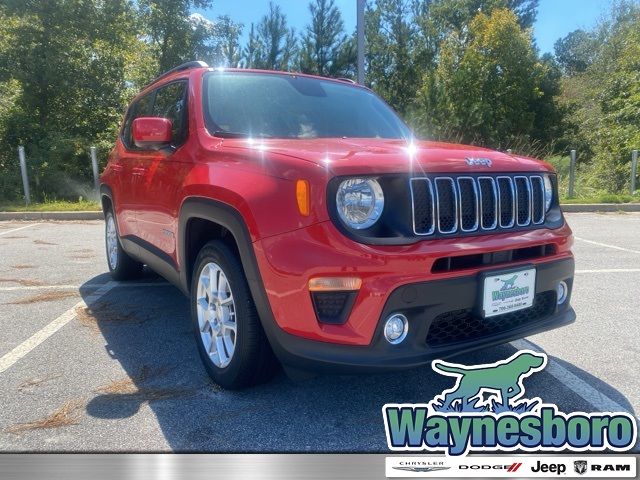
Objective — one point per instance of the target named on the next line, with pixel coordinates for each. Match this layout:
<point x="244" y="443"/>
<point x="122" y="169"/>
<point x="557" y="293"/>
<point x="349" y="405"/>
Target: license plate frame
<point x="516" y="292"/>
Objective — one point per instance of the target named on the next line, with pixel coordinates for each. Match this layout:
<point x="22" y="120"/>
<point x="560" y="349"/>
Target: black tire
<point x="253" y="361"/>
<point x="125" y="268"/>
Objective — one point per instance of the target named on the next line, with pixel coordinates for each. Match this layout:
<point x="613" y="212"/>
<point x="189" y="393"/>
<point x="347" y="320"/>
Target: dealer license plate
<point x="508" y="292"/>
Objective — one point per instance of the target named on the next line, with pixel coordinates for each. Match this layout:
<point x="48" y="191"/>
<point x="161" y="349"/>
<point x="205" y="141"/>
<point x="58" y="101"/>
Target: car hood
<point x="375" y="156"/>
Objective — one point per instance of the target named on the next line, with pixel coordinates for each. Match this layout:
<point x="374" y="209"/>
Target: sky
<point x="556" y="18"/>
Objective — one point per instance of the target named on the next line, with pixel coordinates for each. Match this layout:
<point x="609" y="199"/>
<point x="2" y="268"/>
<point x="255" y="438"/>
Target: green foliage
<point x="489" y="86"/>
<point x="228" y="52"/>
<point x="78" y="205"/>
<point x="575" y="52"/>
<point x="391" y="52"/>
<point x="273" y="44"/>
<point x="457" y="70"/>
<point x="325" y="48"/>
<point x="69" y="60"/>
<point x="604" y="100"/>
<point x="175" y="36"/>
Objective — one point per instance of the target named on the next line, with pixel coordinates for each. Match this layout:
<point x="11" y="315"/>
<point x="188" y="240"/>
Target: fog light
<point x="562" y="291"/>
<point x="396" y="328"/>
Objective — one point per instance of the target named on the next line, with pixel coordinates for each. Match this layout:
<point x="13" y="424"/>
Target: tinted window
<point x="141" y="108"/>
<point x="170" y="103"/>
<point x="286" y="106"/>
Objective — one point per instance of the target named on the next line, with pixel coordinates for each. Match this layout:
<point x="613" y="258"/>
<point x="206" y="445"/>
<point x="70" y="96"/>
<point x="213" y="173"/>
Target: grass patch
<point x="52" y="206"/>
<point x="45" y="297"/>
<point x="42" y="242"/>
<point x="603" y="198"/>
<point x="583" y="192"/>
<point x="66" y="415"/>
<point x="22" y="282"/>
<point x="28" y="385"/>
<point x="89" y="317"/>
<point x="132" y="388"/>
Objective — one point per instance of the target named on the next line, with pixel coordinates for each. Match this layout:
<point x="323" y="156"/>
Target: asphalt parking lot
<point x="123" y="375"/>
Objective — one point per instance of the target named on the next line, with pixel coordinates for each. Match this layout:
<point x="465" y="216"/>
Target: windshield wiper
<point x="224" y="134"/>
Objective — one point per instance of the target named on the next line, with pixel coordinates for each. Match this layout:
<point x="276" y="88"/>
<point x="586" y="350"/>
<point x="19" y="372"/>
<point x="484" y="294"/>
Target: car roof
<point x="187" y="69"/>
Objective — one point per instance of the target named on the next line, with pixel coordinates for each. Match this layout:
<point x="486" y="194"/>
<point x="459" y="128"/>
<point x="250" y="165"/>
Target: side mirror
<point x="151" y="133"/>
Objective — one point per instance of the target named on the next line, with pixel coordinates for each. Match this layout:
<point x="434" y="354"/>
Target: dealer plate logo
<point x="486" y="410"/>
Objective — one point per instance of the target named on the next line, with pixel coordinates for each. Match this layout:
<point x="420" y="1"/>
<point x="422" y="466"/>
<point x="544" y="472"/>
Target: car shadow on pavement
<point x="147" y="330"/>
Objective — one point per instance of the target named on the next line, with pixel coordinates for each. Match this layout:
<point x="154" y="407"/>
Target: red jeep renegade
<point x="306" y="224"/>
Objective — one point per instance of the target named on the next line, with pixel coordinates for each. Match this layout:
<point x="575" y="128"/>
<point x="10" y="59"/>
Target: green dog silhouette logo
<point x="509" y="283"/>
<point x="485" y="411"/>
<point x="501" y="380"/>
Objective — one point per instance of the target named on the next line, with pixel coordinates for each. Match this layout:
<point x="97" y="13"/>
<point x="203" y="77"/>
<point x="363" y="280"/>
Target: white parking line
<point x="611" y="270"/>
<point x="598" y="400"/>
<point x="21" y="228"/>
<point x="43" y="334"/>
<point x="607" y="245"/>
<point x="78" y="287"/>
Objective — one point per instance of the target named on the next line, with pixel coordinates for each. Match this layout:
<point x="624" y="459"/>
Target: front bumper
<point x="288" y="261"/>
<point x="442" y="322"/>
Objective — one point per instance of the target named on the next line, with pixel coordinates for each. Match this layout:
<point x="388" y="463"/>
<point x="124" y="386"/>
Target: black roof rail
<point x="180" y="68"/>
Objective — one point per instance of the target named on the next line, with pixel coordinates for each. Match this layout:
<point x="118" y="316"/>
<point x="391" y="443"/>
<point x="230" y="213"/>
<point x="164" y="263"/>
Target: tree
<point x="439" y="19"/>
<point x="251" y="50"/>
<point x="326" y="50"/>
<point x="227" y="33"/>
<point x="275" y="43"/>
<point x="68" y="60"/>
<point x="576" y="52"/>
<point x="488" y="85"/>
<point x="176" y="36"/>
<point x="612" y="111"/>
<point x="391" y="40"/>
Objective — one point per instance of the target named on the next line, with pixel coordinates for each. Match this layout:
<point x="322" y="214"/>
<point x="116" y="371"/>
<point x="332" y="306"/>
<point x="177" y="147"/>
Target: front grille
<point x="450" y="205"/>
<point x="464" y="325"/>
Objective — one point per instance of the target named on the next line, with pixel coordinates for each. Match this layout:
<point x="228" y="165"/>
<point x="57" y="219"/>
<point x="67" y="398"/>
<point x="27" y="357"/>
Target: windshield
<point x="288" y="106"/>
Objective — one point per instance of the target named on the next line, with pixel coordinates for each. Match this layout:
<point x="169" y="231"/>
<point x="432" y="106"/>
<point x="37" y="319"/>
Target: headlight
<point x="360" y="202"/>
<point x="548" y="192"/>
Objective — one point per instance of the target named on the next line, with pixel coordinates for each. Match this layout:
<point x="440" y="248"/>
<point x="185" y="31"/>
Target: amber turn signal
<point x="332" y="284"/>
<point x="303" y="198"/>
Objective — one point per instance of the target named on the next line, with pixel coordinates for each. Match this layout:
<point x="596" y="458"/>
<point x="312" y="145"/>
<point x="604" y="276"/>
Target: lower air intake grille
<point x="463" y="325"/>
<point x="333" y="307"/>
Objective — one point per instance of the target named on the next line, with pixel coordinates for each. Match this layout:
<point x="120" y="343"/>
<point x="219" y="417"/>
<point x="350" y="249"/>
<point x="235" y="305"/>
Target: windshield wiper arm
<point x="224" y="134"/>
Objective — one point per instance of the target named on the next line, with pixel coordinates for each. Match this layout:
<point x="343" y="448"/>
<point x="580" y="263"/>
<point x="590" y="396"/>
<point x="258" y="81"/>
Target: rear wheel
<point x="121" y="265"/>
<point x="230" y="339"/>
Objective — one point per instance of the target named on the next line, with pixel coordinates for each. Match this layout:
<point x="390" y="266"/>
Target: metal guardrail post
<point x="94" y="164"/>
<point x="634" y="170"/>
<point x="572" y="174"/>
<point x="25" y="177"/>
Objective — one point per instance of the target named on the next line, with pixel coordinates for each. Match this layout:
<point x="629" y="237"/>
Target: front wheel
<point x="230" y="339"/>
